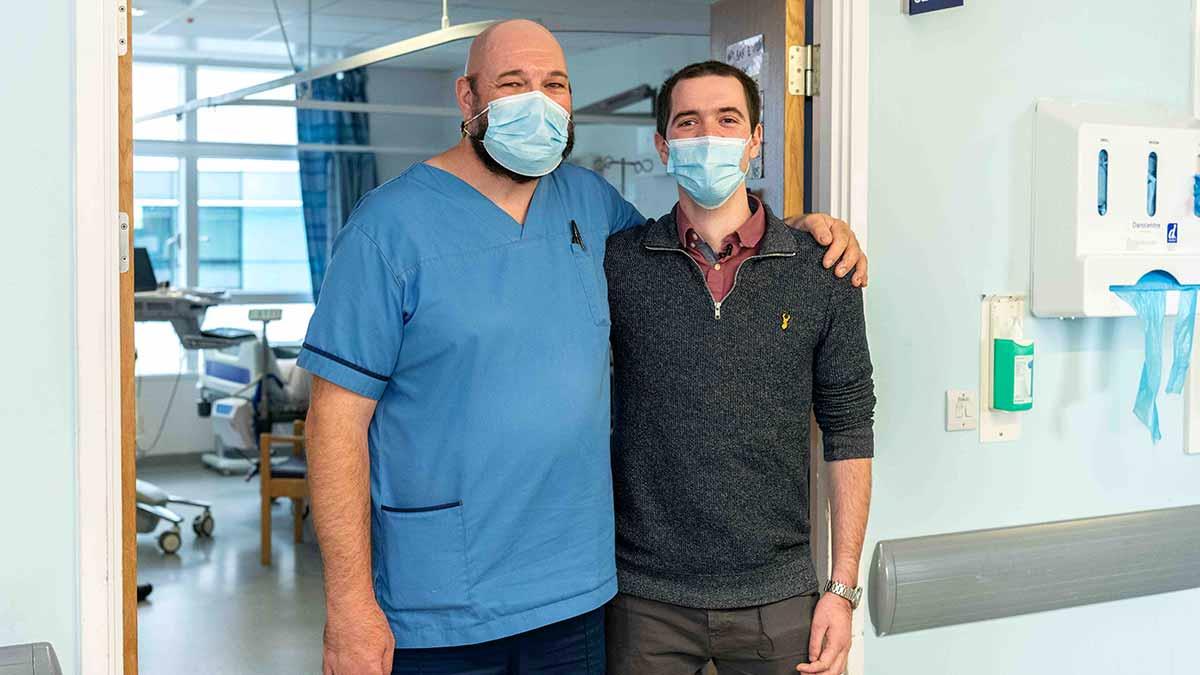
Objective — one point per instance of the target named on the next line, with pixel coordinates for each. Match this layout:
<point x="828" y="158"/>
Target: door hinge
<point x="123" y="242"/>
<point x="804" y="70"/>
<point x="122" y="27"/>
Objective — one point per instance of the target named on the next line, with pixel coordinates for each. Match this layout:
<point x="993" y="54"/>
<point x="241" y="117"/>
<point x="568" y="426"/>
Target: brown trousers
<point x="646" y="637"/>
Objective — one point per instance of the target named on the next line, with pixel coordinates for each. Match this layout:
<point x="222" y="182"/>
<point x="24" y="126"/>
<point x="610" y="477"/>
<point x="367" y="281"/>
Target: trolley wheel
<point x="203" y="525"/>
<point x="170" y="542"/>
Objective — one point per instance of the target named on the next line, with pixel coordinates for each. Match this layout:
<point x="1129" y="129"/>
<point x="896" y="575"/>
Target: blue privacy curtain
<point x="331" y="183"/>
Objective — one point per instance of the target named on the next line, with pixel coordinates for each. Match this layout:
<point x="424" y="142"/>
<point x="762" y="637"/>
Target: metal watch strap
<point x="852" y="595"/>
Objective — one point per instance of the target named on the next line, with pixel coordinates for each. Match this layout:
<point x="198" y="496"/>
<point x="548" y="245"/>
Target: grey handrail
<point x="29" y="659"/>
<point x="949" y="579"/>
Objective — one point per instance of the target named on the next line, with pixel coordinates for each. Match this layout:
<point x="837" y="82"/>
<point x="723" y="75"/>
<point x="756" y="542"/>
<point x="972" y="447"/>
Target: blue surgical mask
<point x="708" y="168"/>
<point x="526" y="133"/>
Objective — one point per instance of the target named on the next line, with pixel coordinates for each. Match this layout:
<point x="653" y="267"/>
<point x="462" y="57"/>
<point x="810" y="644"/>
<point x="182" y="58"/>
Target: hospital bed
<point x="246" y="388"/>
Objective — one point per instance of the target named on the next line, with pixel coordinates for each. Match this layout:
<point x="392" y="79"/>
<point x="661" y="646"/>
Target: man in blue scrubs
<point x="459" y="429"/>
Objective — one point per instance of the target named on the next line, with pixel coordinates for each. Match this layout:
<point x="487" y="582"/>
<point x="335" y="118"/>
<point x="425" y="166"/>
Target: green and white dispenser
<point x="1012" y="374"/>
<point x="1011" y="360"/>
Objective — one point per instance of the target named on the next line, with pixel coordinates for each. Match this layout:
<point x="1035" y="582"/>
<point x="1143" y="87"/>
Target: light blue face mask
<point x="708" y="168"/>
<point x="526" y="133"/>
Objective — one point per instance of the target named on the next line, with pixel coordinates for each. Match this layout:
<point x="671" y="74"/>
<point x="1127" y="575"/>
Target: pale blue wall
<point x="951" y="116"/>
<point x="38" y="568"/>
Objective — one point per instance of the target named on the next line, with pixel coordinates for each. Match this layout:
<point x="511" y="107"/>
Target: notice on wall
<point x="748" y="55"/>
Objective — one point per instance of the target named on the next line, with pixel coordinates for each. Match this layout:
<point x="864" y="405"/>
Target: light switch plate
<point x="962" y="410"/>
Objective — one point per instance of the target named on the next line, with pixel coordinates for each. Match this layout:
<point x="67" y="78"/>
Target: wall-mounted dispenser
<point x="1012" y="372"/>
<point x="1011" y="356"/>
<point x="1006" y="372"/>
<point x="1115" y="196"/>
<point x="1116" y="229"/>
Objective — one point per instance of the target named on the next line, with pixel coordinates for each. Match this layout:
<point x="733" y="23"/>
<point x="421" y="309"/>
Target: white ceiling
<point x="247" y="30"/>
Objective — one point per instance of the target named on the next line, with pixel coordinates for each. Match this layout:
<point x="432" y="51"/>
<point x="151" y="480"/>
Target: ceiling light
<point x="138" y="11"/>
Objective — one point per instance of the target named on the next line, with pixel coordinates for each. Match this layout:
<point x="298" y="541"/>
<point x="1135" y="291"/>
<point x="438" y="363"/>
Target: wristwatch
<point x="853" y="595"/>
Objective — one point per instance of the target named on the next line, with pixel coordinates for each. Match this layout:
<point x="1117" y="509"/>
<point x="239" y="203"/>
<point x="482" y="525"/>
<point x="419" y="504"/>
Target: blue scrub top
<point x="486" y="346"/>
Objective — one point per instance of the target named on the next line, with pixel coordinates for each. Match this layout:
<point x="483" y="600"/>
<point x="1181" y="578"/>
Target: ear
<point x="755" y="145"/>
<point x="464" y="96"/>
<point x="660" y="144"/>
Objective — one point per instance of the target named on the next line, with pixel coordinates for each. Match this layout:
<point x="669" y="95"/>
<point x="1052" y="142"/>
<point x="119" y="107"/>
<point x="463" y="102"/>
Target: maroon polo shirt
<point x="720" y="267"/>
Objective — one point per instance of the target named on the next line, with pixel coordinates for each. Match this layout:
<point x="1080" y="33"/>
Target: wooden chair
<point x="285" y="479"/>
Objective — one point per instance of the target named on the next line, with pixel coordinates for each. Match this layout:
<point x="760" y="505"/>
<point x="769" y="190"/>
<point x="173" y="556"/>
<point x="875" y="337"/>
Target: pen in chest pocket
<point x="576" y="237"/>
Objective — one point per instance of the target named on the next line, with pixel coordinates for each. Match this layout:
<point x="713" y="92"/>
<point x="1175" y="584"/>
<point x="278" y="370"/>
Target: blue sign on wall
<point x="924" y="6"/>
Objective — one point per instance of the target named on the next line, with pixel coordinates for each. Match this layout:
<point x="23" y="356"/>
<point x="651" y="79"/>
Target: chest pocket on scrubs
<point x="425" y="557"/>
<point x="591" y="277"/>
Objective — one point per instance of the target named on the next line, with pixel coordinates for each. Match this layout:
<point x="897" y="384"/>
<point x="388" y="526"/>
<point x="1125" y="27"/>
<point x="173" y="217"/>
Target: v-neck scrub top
<point x="486" y="345"/>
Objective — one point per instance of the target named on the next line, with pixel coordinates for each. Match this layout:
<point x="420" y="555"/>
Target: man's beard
<point x="500" y="170"/>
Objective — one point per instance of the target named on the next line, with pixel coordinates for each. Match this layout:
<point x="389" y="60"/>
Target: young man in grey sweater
<point x="726" y="330"/>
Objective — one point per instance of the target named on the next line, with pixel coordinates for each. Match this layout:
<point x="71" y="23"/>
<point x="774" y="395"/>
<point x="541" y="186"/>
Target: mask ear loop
<point x="463" y="125"/>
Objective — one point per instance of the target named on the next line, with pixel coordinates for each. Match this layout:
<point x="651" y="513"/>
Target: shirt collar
<point x="663" y="234"/>
<point x="748" y="234"/>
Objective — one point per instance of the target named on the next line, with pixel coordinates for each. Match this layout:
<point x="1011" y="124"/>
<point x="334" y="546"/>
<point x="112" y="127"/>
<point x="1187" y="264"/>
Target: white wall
<point x="600" y="73"/>
<point x="38" y="538"/>
<point x="411" y="87"/>
<point x="951" y="118"/>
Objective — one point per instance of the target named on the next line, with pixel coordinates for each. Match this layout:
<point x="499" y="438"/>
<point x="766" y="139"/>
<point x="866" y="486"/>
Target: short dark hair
<point x="701" y="69"/>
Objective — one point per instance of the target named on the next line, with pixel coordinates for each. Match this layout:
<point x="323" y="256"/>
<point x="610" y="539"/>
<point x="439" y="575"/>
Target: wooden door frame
<point x="97" y="339"/>
<point x="839" y="187"/>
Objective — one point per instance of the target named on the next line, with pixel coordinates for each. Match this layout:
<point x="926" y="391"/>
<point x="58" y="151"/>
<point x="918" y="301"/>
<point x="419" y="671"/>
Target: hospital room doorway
<point x="248" y="130"/>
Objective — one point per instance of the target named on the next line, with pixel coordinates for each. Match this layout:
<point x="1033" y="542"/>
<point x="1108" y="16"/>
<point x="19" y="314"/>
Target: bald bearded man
<point x="459" y="426"/>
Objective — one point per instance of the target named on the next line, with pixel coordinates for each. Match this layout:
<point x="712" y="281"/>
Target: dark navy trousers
<point x="571" y="647"/>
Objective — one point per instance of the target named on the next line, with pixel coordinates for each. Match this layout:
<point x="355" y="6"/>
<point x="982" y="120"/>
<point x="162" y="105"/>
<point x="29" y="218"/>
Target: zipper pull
<point x="717" y="310"/>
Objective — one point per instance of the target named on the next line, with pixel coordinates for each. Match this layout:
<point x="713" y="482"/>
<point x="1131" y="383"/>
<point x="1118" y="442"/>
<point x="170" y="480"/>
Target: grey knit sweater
<point x="711" y="427"/>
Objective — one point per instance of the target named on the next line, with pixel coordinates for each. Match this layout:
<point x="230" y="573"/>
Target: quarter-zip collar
<point x="777" y="242"/>
<point x="777" y="239"/>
